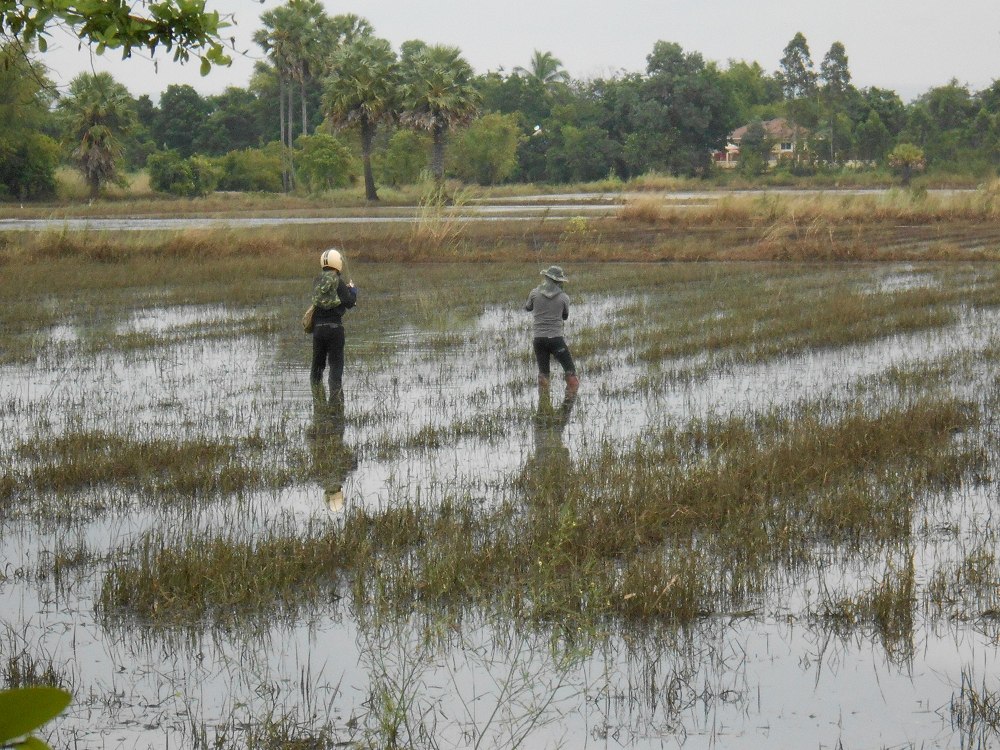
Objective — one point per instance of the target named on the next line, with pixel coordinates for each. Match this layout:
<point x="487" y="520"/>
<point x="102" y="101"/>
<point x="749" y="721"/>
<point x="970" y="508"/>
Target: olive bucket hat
<point x="555" y="273"/>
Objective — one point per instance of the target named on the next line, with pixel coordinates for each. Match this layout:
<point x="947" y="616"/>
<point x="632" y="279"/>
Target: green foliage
<point x="755" y="150"/>
<point x="251" y="170"/>
<point x="798" y="79"/>
<point x="486" y="151"/>
<point x="181" y="116"/>
<point x="169" y="172"/>
<point x="28" y="158"/>
<point x="546" y="69"/>
<point x="25" y="709"/>
<point x="404" y="159"/>
<point x="873" y="138"/>
<point x="835" y="74"/>
<point x="27" y="166"/>
<point x="525" y="96"/>
<point x="579" y="155"/>
<point x="323" y="162"/>
<point x="685" y="113"/>
<point x="750" y="89"/>
<point x="179" y="25"/>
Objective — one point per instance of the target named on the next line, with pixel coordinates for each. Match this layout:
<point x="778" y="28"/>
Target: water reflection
<point x="332" y="460"/>
<point x="551" y="457"/>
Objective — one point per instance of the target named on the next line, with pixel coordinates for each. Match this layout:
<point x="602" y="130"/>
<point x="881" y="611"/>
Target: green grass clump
<point x="155" y="467"/>
<point x="683" y="523"/>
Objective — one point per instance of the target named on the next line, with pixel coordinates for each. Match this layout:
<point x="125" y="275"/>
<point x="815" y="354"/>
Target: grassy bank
<point x="891" y="226"/>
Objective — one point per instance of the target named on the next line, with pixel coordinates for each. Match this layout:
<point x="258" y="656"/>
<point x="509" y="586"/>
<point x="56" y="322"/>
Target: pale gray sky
<point x="905" y="45"/>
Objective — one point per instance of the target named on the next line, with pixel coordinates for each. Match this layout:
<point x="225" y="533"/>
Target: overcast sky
<point x="905" y="45"/>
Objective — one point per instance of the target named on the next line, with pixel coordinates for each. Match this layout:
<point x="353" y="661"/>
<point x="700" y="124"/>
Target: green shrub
<point x="251" y="170"/>
<point x="406" y="156"/>
<point x="322" y="162"/>
<point x="171" y="173"/>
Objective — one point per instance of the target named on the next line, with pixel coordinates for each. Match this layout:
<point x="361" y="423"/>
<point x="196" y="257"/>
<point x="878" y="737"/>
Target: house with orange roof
<point x="785" y="137"/>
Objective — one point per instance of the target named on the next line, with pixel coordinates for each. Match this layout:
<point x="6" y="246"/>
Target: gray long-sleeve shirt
<point x="550" y="306"/>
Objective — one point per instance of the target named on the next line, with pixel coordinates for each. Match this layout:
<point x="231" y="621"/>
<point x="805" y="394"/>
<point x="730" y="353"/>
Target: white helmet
<point x="332" y="259"/>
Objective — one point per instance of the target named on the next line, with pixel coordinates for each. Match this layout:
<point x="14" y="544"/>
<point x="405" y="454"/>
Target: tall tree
<point x="545" y="68"/>
<point x="180" y="119"/>
<point x="437" y="94"/>
<point x="835" y="73"/>
<point x="99" y="113"/>
<point x="362" y="89"/>
<point x="873" y="138"/>
<point x="237" y="120"/>
<point x="754" y="92"/>
<point x="345" y="28"/>
<point x="798" y="82"/>
<point x="684" y="112"/>
<point x="798" y="79"/>
<point x="836" y="77"/>
<point x="887" y="105"/>
<point x="282" y="39"/>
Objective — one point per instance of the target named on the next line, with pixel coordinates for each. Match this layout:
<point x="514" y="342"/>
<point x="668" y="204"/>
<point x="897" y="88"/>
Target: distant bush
<point x="251" y="170"/>
<point x="169" y="172"/>
<point x="406" y="156"/>
<point x="323" y="162"/>
<point x="486" y="151"/>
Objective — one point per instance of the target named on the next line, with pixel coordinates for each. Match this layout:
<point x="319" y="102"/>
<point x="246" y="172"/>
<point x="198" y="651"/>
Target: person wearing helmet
<point x="332" y="296"/>
<point x="550" y="306"/>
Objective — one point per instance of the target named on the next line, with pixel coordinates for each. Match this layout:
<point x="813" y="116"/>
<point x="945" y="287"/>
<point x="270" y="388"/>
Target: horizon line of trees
<point x="333" y="104"/>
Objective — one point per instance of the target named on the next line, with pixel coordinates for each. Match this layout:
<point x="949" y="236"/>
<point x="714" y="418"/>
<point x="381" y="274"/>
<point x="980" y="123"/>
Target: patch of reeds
<point x="681" y="524"/>
<point x="643" y="210"/>
<point x="975" y="712"/>
<point x="184" y="577"/>
<point x="23" y="665"/>
<point x="966" y="587"/>
<point x="887" y="608"/>
<point x="125" y="464"/>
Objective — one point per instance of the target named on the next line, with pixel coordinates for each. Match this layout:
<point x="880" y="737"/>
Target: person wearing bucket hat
<point x="549" y="305"/>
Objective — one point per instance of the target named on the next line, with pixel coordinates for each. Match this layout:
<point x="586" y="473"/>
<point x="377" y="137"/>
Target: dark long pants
<point x="553" y="347"/>
<point x="328" y="348"/>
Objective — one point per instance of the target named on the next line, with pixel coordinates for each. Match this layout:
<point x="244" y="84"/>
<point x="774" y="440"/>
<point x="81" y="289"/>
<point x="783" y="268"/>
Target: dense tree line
<point x="333" y="104"/>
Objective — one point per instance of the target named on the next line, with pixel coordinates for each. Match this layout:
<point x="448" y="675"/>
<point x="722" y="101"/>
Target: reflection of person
<point x="547" y="472"/>
<point x="331" y="298"/>
<point x="550" y="452"/>
<point x="332" y="461"/>
<point x="549" y="305"/>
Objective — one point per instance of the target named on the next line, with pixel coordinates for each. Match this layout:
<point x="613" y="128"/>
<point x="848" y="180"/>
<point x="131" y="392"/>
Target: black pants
<point x="328" y="348"/>
<point x="553" y="347"/>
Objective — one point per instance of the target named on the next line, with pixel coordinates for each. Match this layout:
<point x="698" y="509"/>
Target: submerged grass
<point x="683" y="524"/>
<point x="127" y="465"/>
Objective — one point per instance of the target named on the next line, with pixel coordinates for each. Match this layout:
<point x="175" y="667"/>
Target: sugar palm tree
<point x="98" y="113"/>
<point x="294" y="37"/>
<point x="361" y="89"/>
<point x="437" y="94"/>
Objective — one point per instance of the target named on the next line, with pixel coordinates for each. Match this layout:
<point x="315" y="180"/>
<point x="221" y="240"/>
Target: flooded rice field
<point x="765" y="519"/>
